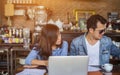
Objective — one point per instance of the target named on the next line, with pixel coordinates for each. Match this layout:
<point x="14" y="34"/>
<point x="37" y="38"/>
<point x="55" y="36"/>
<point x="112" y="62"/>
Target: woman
<point x="50" y="44"/>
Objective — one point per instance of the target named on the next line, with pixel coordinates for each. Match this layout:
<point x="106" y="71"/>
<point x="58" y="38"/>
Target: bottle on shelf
<point x="21" y="35"/>
<point x="17" y="36"/>
<point x="109" y="28"/>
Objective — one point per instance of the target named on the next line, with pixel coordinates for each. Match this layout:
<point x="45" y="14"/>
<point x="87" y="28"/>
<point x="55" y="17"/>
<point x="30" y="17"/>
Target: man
<point x="94" y="44"/>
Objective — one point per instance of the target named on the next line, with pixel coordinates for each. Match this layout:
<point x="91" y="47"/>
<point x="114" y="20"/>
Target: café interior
<point x="22" y="20"/>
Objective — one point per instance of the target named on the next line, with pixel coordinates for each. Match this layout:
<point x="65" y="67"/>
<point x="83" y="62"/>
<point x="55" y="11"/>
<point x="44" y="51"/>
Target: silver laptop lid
<point x="68" y="65"/>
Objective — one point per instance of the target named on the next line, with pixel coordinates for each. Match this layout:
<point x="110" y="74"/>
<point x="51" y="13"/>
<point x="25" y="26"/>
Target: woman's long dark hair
<point x="48" y="38"/>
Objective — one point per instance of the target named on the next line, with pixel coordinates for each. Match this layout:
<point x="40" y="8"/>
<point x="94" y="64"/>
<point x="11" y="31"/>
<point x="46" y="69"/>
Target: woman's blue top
<point x="34" y="54"/>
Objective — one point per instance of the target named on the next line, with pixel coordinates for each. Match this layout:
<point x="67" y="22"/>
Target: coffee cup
<point x="107" y="67"/>
<point x="22" y="61"/>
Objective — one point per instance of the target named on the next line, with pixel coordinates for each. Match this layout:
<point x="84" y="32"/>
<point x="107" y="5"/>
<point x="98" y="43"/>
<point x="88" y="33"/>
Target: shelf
<point x="3" y="69"/>
<point x="16" y="54"/>
<point x="24" y="6"/>
<point x="22" y="1"/>
<point x="4" y="62"/>
<point x="11" y="44"/>
<point x="108" y="33"/>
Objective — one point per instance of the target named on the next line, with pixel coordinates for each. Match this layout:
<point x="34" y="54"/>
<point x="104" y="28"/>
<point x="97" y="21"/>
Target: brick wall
<point x="60" y="8"/>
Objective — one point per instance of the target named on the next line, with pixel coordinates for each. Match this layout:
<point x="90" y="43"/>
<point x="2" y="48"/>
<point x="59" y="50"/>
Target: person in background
<point x="94" y="44"/>
<point x="49" y="44"/>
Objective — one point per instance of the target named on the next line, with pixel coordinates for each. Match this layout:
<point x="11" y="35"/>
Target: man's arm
<point x="115" y="51"/>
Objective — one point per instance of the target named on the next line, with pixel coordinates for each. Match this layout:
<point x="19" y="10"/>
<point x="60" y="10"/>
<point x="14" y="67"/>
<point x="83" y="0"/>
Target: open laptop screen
<point x="68" y="65"/>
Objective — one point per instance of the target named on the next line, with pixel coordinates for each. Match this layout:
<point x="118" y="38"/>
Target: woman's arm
<point x="31" y="56"/>
<point x="36" y="63"/>
<point x="39" y="62"/>
<point x="31" y="59"/>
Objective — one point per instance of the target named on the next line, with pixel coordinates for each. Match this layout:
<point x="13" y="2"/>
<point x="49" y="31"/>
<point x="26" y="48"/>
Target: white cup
<point x="107" y="67"/>
<point x="22" y="61"/>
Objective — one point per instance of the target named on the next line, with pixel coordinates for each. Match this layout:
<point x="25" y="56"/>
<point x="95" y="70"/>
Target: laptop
<point x="68" y="65"/>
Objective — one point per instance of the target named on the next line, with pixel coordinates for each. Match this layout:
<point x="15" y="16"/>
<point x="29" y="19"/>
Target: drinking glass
<point x="26" y="43"/>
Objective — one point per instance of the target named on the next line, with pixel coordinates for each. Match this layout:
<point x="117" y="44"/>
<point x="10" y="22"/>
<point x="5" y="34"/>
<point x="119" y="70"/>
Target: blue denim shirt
<point x="63" y="51"/>
<point x="107" y="48"/>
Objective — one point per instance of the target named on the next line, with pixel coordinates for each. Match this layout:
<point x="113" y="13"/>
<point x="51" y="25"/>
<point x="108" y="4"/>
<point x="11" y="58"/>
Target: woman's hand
<point x="30" y="66"/>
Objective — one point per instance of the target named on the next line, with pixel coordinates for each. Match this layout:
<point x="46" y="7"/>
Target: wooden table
<point x="95" y="73"/>
<point x="100" y="73"/>
<point x="115" y="71"/>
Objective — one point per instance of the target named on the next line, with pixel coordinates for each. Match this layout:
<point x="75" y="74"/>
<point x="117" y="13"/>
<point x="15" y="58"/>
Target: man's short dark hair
<point x="92" y="21"/>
